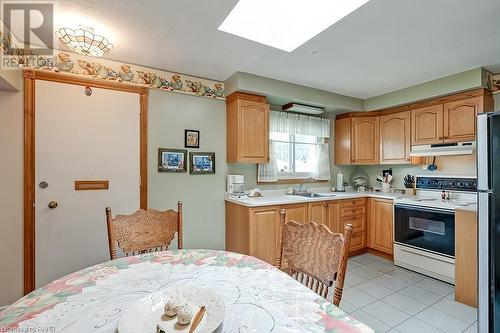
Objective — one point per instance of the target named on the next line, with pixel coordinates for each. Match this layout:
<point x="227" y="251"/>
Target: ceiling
<point x="384" y="46"/>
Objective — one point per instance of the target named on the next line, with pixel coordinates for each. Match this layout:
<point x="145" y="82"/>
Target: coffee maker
<point x="235" y="185"/>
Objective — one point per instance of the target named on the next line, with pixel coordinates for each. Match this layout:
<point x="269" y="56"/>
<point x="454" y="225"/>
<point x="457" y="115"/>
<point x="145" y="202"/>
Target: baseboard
<point x="380" y="254"/>
<point x="372" y="251"/>
<point x="357" y="252"/>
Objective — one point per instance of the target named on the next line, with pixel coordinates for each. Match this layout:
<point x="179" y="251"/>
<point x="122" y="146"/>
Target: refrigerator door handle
<point x="484" y="291"/>
<point x="483" y="175"/>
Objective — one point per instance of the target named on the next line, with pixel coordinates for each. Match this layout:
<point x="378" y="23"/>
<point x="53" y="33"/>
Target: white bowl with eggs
<point x="173" y="310"/>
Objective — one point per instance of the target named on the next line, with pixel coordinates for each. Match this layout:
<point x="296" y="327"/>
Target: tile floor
<point x="392" y="299"/>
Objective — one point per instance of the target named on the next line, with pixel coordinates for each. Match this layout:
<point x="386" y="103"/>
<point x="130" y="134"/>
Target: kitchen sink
<point x="325" y="195"/>
<point x="313" y="195"/>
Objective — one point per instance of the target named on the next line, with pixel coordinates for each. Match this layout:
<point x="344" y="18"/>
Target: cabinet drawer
<point x="352" y="211"/>
<point x="353" y="203"/>
<point x="357" y="241"/>
<point x="358" y="223"/>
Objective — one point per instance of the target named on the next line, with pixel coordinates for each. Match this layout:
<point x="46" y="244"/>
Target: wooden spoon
<point x="197" y="319"/>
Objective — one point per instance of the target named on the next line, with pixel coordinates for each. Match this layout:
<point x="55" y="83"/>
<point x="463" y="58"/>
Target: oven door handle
<point x="428" y="255"/>
<point x="425" y="209"/>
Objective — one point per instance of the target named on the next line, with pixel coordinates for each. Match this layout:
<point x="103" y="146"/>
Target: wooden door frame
<point x="30" y="76"/>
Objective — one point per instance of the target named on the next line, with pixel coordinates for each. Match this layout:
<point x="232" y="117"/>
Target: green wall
<point x="202" y="195"/>
<point x="280" y="93"/>
<point x="447" y="85"/>
<point x="497" y="102"/>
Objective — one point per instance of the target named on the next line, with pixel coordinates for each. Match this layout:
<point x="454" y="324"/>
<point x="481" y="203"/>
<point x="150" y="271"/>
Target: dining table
<point x="257" y="296"/>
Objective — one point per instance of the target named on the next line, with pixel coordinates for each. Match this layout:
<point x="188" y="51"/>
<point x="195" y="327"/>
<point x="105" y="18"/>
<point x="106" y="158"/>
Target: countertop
<point x="279" y="197"/>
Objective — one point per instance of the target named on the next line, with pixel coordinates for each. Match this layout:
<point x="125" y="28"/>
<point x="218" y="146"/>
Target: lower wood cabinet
<point x="297" y="213"/>
<point x="358" y="241"/>
<point x="254" y="230"/>
<point x="325" y="212"/>
<point x="381" y="225"/>
<point x="466" y="257"/>
<point x="264" y="230"/>
<point x="353" y="211"/>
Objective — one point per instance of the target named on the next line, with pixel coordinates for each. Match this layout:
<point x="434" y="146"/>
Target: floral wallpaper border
<point x="493" y="81"/>
<point x="103" y="69"/>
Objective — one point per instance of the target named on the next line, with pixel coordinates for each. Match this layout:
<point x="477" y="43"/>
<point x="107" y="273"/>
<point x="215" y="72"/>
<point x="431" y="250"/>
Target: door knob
<point x="52" y="204"/>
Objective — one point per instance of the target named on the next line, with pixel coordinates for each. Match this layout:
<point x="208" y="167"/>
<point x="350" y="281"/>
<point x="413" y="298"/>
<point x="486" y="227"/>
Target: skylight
<point x="285" y="24"/>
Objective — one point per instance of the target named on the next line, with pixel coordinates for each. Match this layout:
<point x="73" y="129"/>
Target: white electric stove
<point x="424" y="225"/>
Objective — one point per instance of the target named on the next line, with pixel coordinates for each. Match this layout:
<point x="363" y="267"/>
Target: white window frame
<point x="292" y="174"/>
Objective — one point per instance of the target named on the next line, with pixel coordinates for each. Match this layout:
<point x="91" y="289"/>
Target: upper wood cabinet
<point x="395" y="138"/>
<point x="342" y="141"/>
<point x="427" y="125"/>
<point x="460" y="119"/>
<point x="365" y="140"/>
<point x="380" y="225"/>
<point x="247" y="126"/>
<point x="451" y="119"/>
<point x="356" y="139"/>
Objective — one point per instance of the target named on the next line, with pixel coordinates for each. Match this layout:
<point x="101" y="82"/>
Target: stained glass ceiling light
<point x="84" y="41"/>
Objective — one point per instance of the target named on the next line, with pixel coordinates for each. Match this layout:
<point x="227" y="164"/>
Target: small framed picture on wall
<point x="191" y="138"/>
<point x="172" y="160"/>
<point x="201" y="163"/>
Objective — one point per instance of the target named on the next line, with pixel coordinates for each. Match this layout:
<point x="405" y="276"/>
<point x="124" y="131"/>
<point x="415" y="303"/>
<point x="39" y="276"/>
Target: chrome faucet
<point x="300" y="190"/>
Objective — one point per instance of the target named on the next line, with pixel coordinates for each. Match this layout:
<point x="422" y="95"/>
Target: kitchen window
<point x="298" y="148"/>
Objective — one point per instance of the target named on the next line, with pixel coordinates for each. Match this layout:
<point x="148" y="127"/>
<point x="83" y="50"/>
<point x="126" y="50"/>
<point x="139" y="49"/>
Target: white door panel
<point x="81" y="137"/>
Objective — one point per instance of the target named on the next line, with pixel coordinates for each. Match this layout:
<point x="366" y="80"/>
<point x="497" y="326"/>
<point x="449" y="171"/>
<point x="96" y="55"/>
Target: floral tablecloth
<point x="258" y="297"/>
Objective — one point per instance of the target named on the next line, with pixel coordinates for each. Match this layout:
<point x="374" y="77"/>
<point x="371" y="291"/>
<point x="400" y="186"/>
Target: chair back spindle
<point x="144" y="231"/>
<point x="313" y="255"/>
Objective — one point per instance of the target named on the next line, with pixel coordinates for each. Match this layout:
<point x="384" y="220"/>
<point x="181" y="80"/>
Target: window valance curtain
<point x="299" y="124"/>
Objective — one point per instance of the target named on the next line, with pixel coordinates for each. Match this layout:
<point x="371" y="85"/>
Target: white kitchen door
<point x="78" y="138"/>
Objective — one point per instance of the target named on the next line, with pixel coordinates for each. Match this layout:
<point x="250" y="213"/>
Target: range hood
<point x="443" y="149"/>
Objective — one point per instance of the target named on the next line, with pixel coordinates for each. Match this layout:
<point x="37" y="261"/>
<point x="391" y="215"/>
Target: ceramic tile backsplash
<point x="447" y="165"/>
<point x="464" y="165"/>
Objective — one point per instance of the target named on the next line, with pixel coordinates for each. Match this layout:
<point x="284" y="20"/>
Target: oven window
<point x="435" y="227"/>
<point x="425" y="229"/>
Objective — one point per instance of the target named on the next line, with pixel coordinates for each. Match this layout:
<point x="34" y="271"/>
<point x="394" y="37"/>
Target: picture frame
<point x="201" y="163"/>
<point x="172" y="160"/>
<point x="191" y="138"/>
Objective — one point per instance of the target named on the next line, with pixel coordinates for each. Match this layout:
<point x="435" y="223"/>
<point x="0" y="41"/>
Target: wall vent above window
<point x="302" y="108"/>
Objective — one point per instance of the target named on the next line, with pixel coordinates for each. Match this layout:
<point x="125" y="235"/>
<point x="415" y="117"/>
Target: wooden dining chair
<point x="313" y="255"/>
<point x="144" y="231"/>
